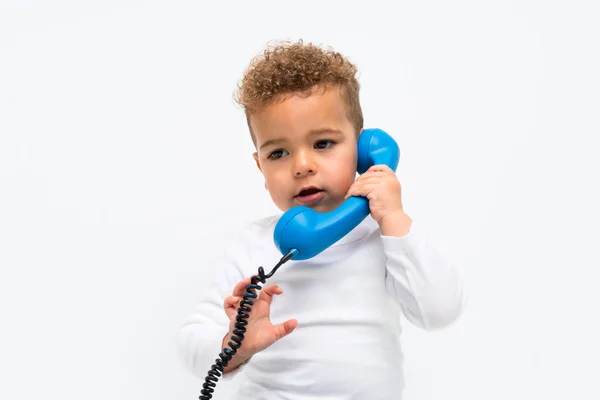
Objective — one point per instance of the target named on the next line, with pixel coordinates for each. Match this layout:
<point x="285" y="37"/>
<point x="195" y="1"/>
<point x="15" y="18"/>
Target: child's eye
<point x="324" y="144"/>
<point x="277" y="154"/>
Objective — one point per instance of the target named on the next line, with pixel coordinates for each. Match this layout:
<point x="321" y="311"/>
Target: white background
<point x="125" y="166"/>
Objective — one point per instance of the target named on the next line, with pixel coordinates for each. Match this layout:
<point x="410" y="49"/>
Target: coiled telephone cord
<point x="210" y="382"/>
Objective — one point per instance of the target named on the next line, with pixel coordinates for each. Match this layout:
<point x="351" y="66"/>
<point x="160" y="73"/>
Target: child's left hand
<point x="381" y="187"/>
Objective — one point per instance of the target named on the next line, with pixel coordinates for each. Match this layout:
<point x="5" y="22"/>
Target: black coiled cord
<point x="210" y="382"/>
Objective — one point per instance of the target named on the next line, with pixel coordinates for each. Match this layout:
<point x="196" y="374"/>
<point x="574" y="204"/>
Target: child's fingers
<point x="373" y="177"/>
<point x="365" y="190"/>
<point x="231" y="301"/>
<point x="240" y="288"/>
<point x="380" y="168"/>
<point x="368" y="175"/>
<point x="356" y="190"/>
<point x="230" y="305"/>
<point x="268" y="292"/>
<point x="285" y="328"/>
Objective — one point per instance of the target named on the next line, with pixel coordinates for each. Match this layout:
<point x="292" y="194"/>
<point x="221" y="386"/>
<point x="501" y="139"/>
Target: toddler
<point x="327" y="327"/>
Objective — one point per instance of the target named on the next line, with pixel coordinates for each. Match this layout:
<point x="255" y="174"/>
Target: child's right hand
<point x="260" y="332"/>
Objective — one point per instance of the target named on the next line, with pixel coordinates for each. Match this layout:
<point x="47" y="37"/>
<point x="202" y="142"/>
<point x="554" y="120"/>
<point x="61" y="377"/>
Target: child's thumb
<point x="231" y="305"/>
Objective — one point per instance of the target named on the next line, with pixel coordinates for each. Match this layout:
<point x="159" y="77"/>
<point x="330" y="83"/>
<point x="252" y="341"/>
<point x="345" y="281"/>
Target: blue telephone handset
<point x="305" y="232"/>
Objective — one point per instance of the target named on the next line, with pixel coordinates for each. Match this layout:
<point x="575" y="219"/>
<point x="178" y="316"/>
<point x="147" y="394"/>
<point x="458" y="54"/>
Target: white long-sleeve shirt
<point x="347" y="301"/>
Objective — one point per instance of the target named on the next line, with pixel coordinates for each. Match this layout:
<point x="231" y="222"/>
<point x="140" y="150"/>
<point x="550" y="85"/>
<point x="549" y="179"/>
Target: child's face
<point x="306" y="150"/>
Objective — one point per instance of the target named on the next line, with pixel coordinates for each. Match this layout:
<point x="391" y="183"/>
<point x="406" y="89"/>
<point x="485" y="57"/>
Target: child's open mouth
<point x="310" y="195"/>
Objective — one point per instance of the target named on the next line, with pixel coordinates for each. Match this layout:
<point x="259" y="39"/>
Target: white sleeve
<point x="201" y="336"/>
<point x="426" y="285"/>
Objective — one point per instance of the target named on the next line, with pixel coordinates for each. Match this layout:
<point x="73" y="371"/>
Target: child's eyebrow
<point x="325" y="130"/>
<point x="270" y="142"/>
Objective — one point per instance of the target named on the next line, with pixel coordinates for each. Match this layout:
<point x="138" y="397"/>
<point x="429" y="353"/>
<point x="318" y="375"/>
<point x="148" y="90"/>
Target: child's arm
<point x="427" y="286"/>
<point x="201" y="336"/>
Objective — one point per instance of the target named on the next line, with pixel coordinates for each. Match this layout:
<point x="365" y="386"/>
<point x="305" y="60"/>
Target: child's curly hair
<point x="296" y="68"/>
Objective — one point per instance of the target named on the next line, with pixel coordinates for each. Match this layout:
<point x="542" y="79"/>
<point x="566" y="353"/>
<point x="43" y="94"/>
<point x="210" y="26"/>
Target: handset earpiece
<point x="304" y="232"/>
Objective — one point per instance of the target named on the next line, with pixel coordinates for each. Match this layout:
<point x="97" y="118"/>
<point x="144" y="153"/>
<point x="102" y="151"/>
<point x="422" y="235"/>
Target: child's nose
<point x="304" y="165"/>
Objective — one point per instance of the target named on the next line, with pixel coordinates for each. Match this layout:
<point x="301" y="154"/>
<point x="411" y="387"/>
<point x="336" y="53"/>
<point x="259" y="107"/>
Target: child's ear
<point x="255" y="156"/>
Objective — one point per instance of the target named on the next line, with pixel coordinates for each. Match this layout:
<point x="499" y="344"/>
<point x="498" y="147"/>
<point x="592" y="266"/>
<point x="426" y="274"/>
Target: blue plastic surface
<point x="309" y="232"/>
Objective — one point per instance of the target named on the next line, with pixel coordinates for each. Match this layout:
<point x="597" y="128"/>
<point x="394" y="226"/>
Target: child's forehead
<point x="301" y="116"/>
